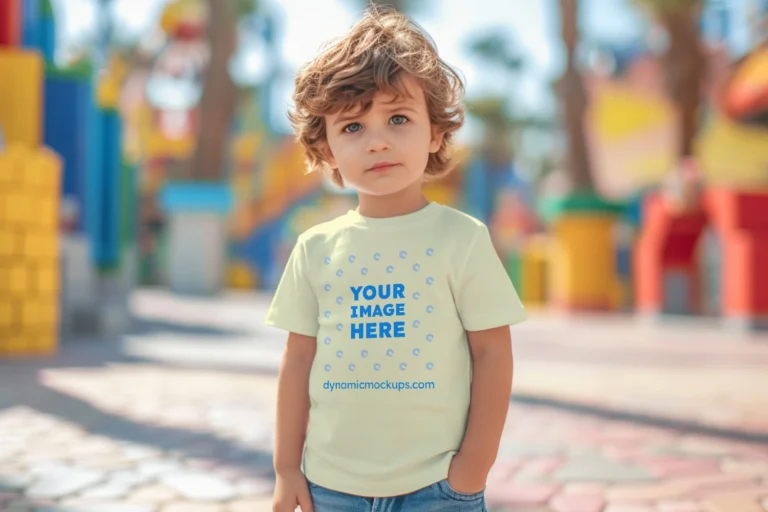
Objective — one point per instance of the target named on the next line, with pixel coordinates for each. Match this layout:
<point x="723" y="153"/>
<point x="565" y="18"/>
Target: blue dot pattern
<point x="416" y="323"/>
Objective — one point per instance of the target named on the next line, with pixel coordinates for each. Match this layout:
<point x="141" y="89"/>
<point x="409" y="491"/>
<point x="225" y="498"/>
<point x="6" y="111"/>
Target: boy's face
<point x="385" y="150"/>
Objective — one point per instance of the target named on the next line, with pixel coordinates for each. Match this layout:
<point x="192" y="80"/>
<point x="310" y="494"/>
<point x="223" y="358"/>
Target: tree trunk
<point x="574" y="102"/>
<point x="218" y="101"/>
<point x="685" y="67"/>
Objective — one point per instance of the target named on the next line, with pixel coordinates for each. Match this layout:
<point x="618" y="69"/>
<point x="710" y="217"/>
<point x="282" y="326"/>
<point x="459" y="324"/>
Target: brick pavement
<point x="691" y="372"/>
<point x="179" y="417"/>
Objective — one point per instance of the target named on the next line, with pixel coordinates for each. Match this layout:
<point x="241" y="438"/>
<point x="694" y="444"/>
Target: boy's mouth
<point x="381" y="166"/>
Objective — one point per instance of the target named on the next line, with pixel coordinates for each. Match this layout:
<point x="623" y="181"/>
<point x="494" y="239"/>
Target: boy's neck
<point x="406" y="201"/>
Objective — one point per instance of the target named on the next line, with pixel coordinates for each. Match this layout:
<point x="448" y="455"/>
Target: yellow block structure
<point x="241" y="277"/>
<point x="583" y="269"/>
<point x="21" y="96"/>
<point x="534" y="266"/>
<point x="29" y="262"/>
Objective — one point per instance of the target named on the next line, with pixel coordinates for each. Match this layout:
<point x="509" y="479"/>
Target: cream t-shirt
<point x="389" y="301"/>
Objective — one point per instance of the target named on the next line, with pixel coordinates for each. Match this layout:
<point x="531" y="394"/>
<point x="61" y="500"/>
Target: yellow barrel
<point x="583" y="261"/>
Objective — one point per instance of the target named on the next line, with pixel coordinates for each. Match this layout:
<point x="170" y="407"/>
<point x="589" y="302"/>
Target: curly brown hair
<point x="371" y="58"/>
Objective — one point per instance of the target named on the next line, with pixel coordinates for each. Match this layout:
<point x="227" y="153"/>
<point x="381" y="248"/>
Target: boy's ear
<point x="325" y="150"/>
<point x="436" y="141"/>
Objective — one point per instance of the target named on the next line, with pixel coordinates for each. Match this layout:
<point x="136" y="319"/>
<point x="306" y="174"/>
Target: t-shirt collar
<point x="397" y="221"/>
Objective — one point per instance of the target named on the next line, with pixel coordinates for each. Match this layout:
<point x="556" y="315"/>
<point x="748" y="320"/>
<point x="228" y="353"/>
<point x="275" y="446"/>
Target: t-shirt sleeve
<point x="485" y="295"/>
<point x="294" y="306"/>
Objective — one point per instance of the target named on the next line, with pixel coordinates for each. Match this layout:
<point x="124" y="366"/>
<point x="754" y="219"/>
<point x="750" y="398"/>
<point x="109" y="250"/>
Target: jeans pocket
<point x="445" y="489"/>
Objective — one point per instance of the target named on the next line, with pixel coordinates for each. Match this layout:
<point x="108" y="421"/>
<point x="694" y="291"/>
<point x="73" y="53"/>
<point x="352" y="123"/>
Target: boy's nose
<point x="377" y="143"/>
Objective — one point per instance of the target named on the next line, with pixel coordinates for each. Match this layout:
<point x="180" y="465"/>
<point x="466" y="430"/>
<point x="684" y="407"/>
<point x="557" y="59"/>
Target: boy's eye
<point x="398" y="119"/>
<point x="353" y="127"/>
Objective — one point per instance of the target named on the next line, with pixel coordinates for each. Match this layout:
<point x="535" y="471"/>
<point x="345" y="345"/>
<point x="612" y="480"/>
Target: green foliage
<point x="496" y="48"/>
<point x="245" y="7"/>
<point x="492" y="110"/>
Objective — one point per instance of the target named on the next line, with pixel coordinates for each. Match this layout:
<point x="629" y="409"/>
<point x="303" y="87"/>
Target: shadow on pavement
<point x="21" y="384"/>
<point x="142" y="326"/>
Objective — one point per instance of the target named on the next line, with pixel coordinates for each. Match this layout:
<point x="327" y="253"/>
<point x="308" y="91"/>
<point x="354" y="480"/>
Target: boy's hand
<point x="291" y="491"/>
<point x="464" y="476"/>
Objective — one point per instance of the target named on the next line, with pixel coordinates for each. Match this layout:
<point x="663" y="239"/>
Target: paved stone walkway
<point x="179" y="415"/>
<point x="692" y="372"/>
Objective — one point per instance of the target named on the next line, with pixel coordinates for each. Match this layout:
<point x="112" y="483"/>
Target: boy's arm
<point x="492" y="369"/>
<point x="293" y="402"/>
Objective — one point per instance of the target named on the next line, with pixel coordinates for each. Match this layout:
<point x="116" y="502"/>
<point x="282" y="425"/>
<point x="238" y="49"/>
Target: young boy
<point x="396" y="379"/>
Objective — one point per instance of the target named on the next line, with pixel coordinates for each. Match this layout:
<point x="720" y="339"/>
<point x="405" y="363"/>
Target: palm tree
<point x="573" y="98"/>
<point x="684" y="63"/>
<point x="219" y="99"/>
<point x="217" y="104"/>
<point x="496" y="49"/>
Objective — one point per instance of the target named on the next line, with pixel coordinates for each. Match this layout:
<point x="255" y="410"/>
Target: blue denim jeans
<point x="438" y="497"/>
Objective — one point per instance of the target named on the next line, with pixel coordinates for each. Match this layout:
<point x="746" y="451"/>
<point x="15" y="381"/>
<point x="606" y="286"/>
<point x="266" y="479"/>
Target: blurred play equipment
<point x="66" y="188"/>
<point x="528" y="267"/>
<point x="29" y="250"/>
<point x="196" y="211"/>
<point x="250" y="211"/>
<point x="262" y="220"/>
<point x="29" y="194"/>
<point x="583" y="263"/>
<point x="668" y="260"/>
<point x="10" y="23"/>
<point x="632" y="139"/>
<point x="177" y="214"/>
<point x="86" y="128"/>
<point x="746" y="97"/>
